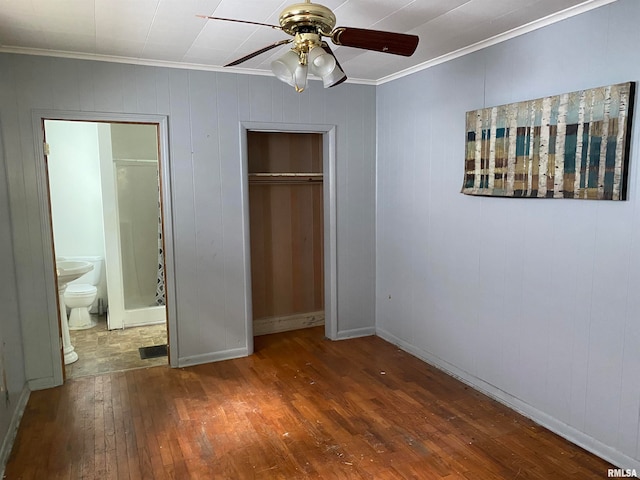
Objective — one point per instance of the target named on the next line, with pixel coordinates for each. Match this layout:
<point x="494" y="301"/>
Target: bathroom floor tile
<point x="102" y="351"/>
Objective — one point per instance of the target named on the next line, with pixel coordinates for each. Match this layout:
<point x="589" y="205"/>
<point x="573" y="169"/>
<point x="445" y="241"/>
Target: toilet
<point x="81" y="293"/>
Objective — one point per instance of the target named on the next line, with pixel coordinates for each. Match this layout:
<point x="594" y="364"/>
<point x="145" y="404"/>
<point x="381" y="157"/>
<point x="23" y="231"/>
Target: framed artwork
<point x="574" y="145"/>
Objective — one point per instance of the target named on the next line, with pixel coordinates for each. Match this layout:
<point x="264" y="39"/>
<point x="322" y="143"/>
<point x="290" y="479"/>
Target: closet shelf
<point x="284" y="178"/>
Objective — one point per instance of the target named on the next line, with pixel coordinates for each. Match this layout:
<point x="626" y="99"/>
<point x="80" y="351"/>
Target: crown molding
<point x="128" y="60"/>
<point x="151" y="63"/>
<point x="502" y="37"/>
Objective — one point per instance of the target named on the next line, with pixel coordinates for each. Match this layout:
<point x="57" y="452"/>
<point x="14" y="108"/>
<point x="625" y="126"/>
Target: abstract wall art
<point x="574" y="145"/>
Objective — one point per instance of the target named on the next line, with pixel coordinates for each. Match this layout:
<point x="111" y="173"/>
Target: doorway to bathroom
<point x="105" y="195"/>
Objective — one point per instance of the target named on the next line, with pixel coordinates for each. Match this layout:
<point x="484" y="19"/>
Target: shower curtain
<point x="160" y="292"/>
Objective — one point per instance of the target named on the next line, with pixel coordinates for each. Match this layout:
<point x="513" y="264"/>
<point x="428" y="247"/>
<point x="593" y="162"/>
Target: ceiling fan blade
<point x="376" y="40"/>
<point x="277" y="27"/>
<point x="259" y="52"/>
<point x="327" y="49"/>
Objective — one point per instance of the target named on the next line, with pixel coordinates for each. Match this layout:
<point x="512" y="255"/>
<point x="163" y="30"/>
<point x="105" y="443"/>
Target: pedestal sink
<point x="68" y="271"/>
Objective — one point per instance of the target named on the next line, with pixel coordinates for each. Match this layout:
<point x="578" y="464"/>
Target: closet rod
<point x="286" y="175"/>
<point x="292" y="181"/>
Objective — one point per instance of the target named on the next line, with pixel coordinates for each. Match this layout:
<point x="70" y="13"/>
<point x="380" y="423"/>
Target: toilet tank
<point x="92" y="277"/>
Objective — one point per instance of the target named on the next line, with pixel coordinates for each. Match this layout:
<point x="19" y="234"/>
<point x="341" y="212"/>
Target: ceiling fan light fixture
<point x="335" y="77"/>
<point x="308" y="23"/>
<point x="291" y="69"/>
<point x="320" y="62"/>
<point x="285" y="67"/>
<point x="300" y="78"/>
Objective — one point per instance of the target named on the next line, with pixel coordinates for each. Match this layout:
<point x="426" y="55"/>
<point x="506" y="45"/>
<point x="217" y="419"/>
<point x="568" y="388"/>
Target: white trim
<point x="246" y="250"/>
<point x="501" y="37"/>
<point x="43" y="383"/>
<point x="330" y="195"/>
<point x="10" y="436"/>
<point x="213" y="357"/>
<point x="171" y="297"/>
<point x="96" y="57"/>
<point x="560" y="428"/>
<point x="146" y="324"/>
<point x="330" y="218"/>
<point x="51" y="286"/>
<point x="128" y="60"/>
<point x="356" y="333"/>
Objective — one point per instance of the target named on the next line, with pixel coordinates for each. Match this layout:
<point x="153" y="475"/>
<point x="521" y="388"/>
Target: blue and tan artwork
<point x="574" y="145"/>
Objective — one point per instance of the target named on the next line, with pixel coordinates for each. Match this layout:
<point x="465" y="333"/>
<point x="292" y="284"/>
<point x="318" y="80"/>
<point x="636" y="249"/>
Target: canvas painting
<point x="574" y="145"/>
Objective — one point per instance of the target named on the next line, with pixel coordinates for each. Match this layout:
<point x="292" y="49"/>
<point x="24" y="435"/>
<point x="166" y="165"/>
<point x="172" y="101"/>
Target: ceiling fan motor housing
<point x="314" y="15"/>
<point x="304" y="42"/>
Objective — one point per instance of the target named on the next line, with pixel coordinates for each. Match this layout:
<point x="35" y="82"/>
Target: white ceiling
<point x="167" y="32"/>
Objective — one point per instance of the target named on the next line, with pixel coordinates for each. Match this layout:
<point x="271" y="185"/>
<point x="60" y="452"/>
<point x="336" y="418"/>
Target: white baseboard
<point x="143" y="324"/>
<point x="265" y="326"/>
<point x="213" y="357"/>
<point x="355" y="333"/>
<point x="10" y="437"/>
<point x="560" y="428"/>
<point x="42" y="383"/>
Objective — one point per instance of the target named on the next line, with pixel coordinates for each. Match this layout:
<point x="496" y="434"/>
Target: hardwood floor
<point x="300" y="407"/>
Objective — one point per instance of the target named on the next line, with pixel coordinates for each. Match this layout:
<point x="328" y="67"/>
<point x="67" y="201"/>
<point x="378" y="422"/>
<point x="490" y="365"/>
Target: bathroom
<point x="104" y="199"/>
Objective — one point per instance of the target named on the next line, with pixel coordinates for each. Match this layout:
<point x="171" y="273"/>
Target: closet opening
<point x="287" y="230"/>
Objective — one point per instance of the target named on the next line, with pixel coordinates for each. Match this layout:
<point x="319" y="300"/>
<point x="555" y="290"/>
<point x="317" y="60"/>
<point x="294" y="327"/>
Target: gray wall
<point x="533" y="301"/>
<point x="204" y="113"/>
<point x="11" y="359"/>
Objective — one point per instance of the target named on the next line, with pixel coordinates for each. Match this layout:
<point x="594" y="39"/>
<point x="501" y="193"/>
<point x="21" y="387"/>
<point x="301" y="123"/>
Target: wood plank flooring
<point x="300" y="407"/>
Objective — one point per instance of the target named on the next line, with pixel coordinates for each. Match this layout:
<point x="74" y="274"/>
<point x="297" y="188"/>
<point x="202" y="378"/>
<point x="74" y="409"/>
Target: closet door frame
<point x="328" y="133"/>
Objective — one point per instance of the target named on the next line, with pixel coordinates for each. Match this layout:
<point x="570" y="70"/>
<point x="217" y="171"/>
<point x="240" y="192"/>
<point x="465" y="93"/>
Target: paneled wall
<point x="204" y="112"/>
<point x="12" y="374"/>
<point x="534" y="301"/>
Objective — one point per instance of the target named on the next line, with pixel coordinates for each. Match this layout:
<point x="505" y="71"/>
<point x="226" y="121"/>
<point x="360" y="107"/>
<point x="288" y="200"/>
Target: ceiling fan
<point x="308" y="23"/>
